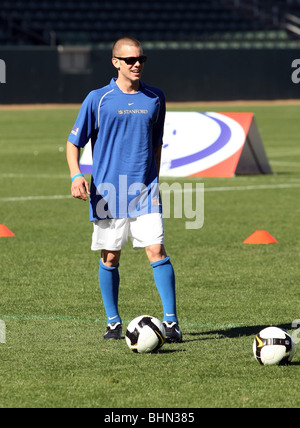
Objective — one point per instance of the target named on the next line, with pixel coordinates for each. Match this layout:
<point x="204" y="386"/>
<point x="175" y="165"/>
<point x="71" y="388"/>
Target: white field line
<point x="233" y="188"/>
<point x="182" y="189"/>
<point x="34" y="198"/>
<point x="37" y="176"/>
<point x="282" y="163"/>
<point x="283" y="153"/>
<point x="259" y="187"/>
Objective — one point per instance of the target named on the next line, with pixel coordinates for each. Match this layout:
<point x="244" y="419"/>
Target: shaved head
<point x="123" y="42"/>
<point x="129" y="72"/>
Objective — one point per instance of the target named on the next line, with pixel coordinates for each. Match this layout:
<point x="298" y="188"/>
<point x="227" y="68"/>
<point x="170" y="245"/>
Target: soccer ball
<point x="273" y="346"/>
<point x="145" y="334"/>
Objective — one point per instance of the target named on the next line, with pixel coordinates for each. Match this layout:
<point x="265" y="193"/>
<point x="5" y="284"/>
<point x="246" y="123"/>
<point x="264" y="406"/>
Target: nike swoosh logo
<point x="113" y="318"/>
<point x="130" y="104"/>
<point x="170" y="315"/>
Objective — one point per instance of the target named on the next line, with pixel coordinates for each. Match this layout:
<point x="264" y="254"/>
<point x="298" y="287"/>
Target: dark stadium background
<point x="57" y="51"/>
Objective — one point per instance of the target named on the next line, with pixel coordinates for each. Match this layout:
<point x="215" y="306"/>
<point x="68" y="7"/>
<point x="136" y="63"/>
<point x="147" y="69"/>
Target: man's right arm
<point x="80" y="188"/>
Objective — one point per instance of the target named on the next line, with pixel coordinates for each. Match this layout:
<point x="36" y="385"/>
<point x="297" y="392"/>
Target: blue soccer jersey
<point x="124" y="129"/>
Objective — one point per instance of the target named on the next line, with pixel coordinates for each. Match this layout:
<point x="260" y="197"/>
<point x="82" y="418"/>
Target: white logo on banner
<point x="194" y="142"/>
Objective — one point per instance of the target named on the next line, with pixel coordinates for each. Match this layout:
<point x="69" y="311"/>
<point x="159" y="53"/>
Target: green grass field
<point x="54" y="355"/>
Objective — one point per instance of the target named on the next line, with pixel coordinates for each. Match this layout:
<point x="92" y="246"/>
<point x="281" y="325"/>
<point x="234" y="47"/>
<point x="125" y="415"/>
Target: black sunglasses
<point x="132" y="60"/>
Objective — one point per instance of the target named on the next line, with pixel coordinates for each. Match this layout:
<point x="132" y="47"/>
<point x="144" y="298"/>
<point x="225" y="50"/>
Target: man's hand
<point x="80" y="189"/>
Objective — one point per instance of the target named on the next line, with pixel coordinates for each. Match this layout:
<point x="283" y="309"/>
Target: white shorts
<point x="113" y="234"/>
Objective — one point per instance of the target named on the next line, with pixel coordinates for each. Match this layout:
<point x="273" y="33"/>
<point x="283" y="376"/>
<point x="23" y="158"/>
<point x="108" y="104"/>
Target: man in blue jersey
<point x="125" y="122"/>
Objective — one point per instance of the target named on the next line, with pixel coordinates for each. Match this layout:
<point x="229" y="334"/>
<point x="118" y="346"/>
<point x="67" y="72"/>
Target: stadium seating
<point x="99" y="21"/>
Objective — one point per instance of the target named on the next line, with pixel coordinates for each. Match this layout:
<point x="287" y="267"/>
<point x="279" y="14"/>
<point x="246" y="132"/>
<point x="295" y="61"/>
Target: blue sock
<point x="109" y="284"/>
<point x="164" y="278"/>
